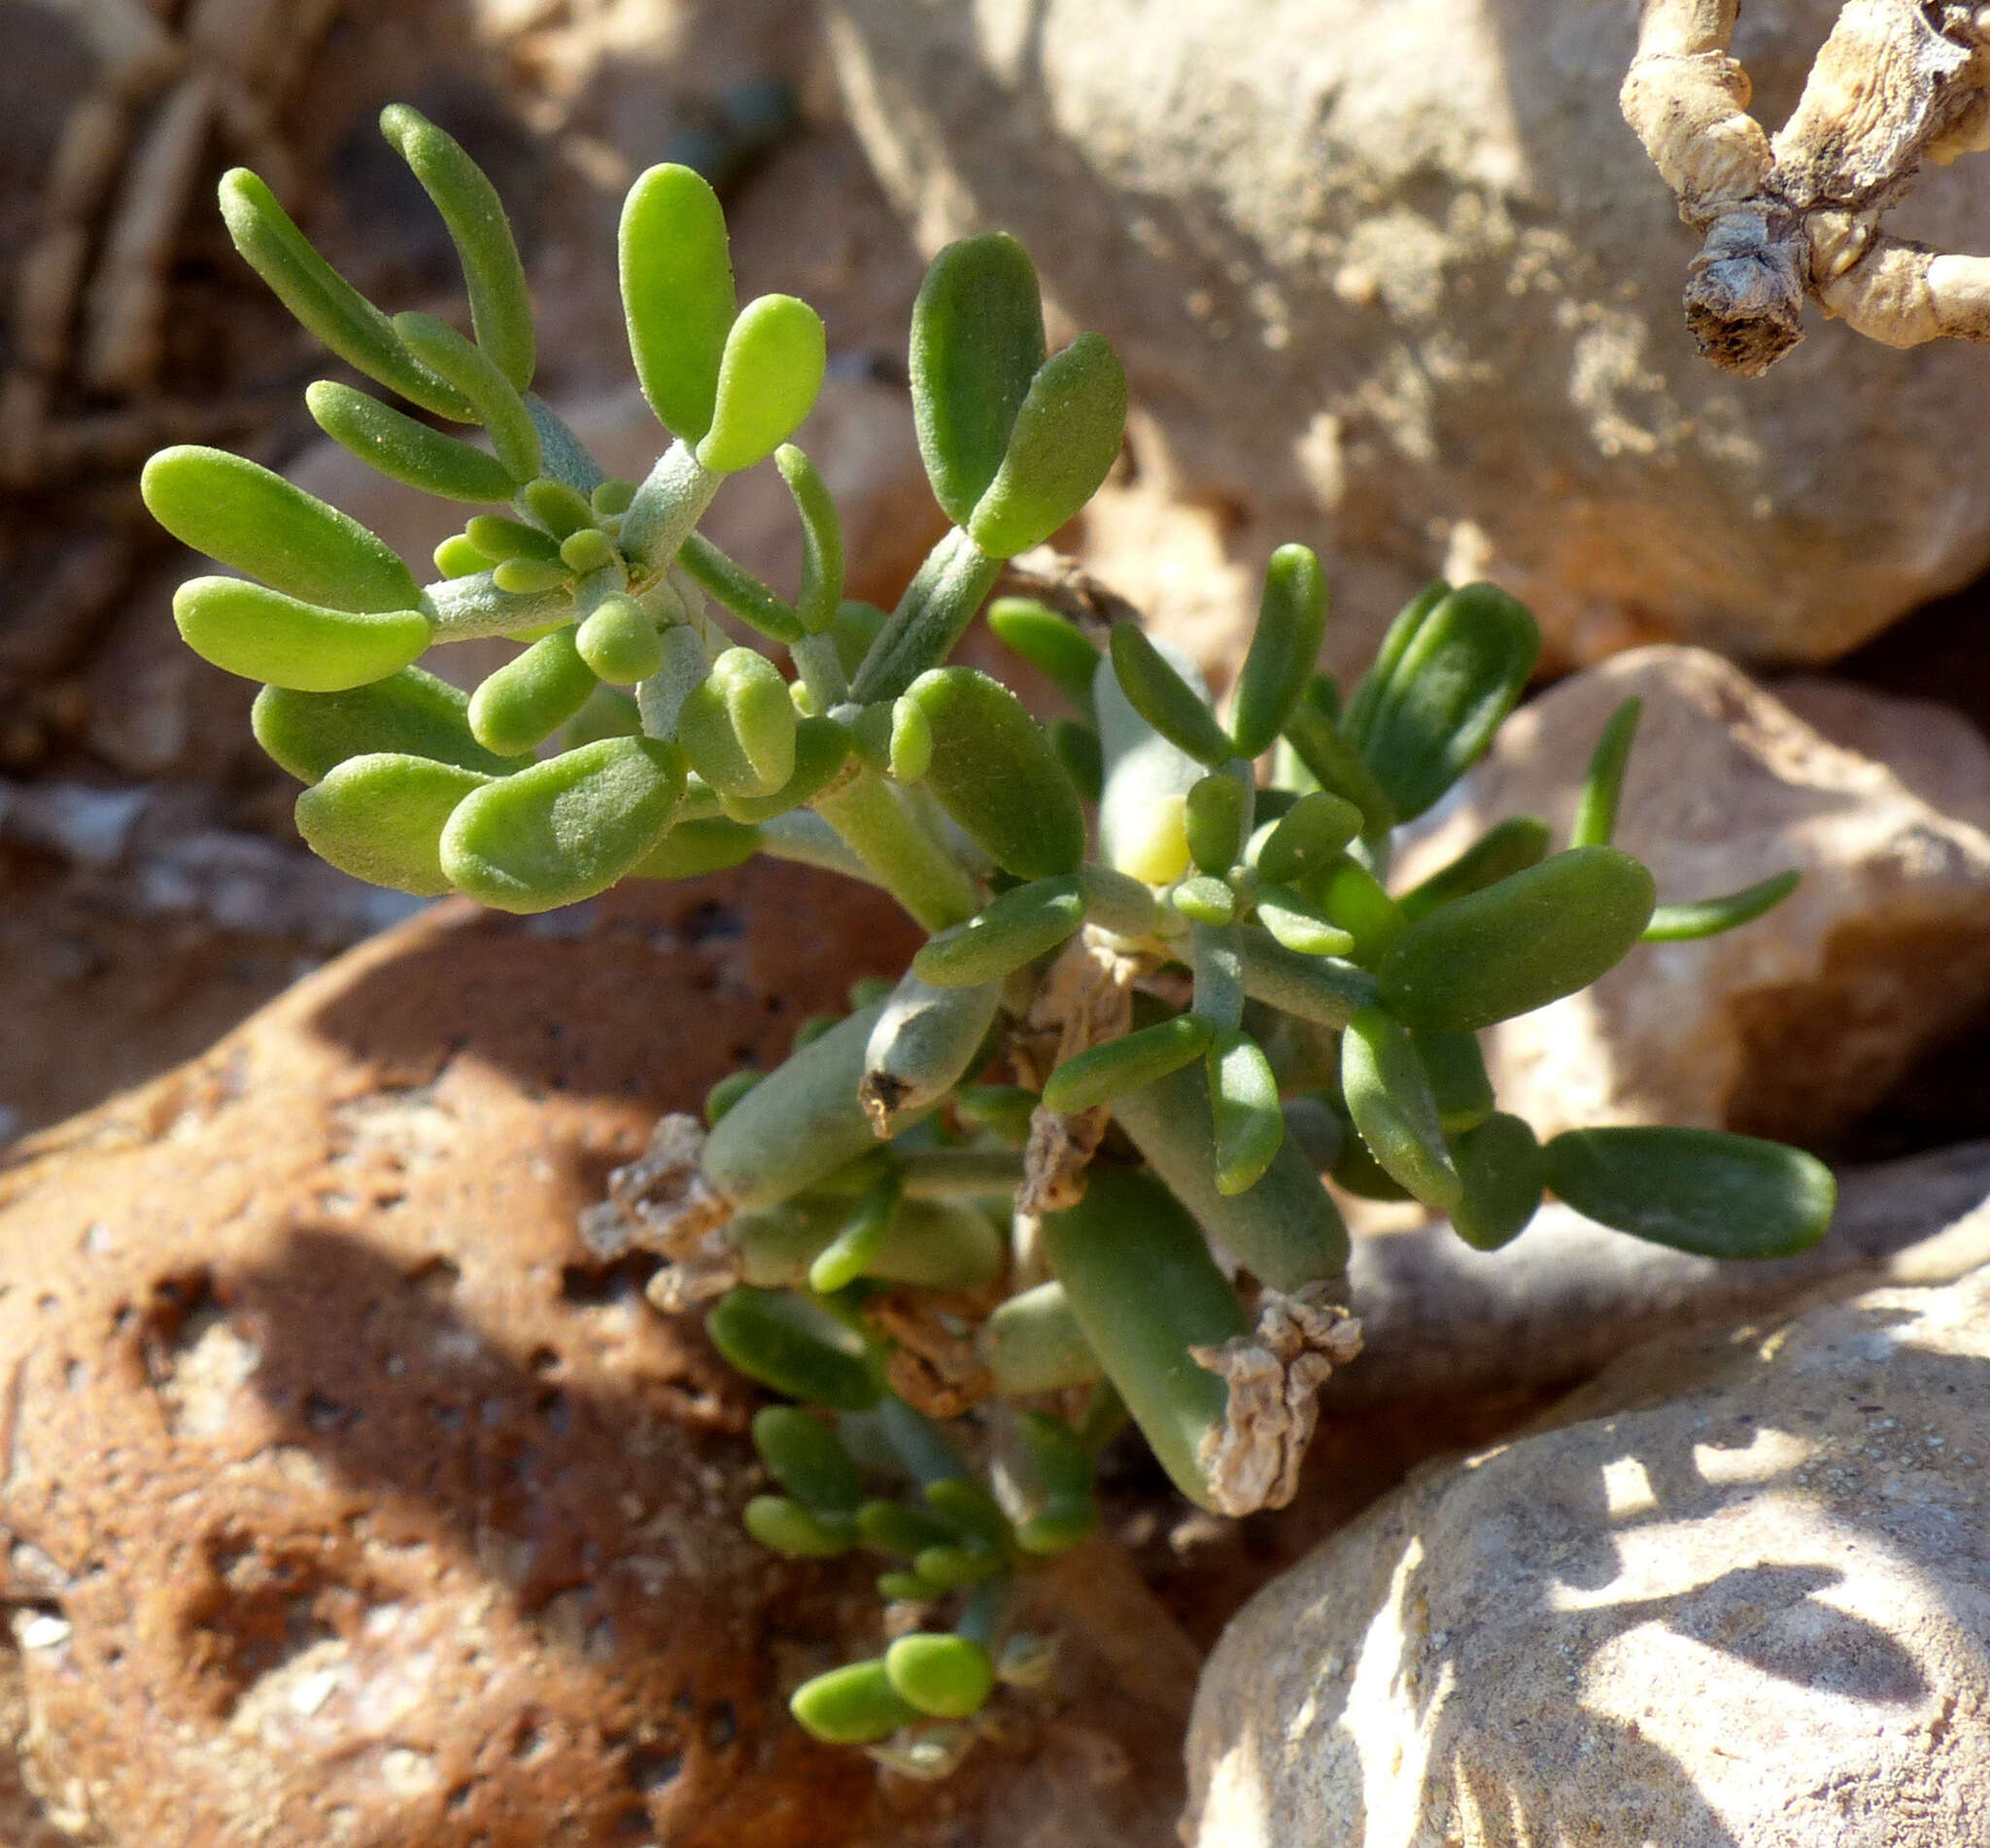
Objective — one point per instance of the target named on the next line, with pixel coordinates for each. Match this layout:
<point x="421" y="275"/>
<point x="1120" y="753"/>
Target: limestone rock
<point x="342" y="1499"/>
<point x="1396" y="280"/>
<point x="1733" y="1597"/>
<point x="1792" y="1025"/>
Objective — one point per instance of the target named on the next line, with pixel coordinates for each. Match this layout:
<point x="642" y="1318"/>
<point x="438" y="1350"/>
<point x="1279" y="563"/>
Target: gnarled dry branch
<point x="1898" y="82"/>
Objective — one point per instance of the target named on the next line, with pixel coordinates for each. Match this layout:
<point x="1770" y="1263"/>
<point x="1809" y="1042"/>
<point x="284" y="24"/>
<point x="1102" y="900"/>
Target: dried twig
<point x="1899" y="81"/>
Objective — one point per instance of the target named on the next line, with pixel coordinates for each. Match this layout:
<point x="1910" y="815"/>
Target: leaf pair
<point x="500" y="311"/>
<point x="551" y="834"/>
<point x="732" y="384"/>
<point x="1015" y="440"/>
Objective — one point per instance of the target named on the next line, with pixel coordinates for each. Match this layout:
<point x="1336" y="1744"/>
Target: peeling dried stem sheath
<point x="1800" y="215"/>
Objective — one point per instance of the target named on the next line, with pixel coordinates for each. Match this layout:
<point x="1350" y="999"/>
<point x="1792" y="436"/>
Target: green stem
<point x="809" y="841"/>
<point x="469" y="609"/>
<point x="564" y="456"/>
<point x="667" y="509"/>
<point x="880" y="830"/>
<point x="933" y="614"/>
<point x="821" y="669"/>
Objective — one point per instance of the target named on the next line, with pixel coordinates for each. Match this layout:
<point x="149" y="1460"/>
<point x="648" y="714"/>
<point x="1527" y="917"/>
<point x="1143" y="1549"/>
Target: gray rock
<point x="1794" y="1024"/>
<point x="1733" y="1597"/>
<point x="1395" y="279"/>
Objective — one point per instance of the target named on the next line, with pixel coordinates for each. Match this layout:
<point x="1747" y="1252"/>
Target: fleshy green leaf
<point x="1009" y="932"/>
<point x="822" y="747"/>
<point x="1389" y="1097"/>
<point x="738" y="727"/>
<point x="563" y="830"/>
<point x="528" y="698"/>
<point x="1462" y="673"/>
<point x="1243" y="1099"/>
<point x="619" y="641"/>
<point x="809" y="1460"/>
<point x="263" y="634"/>
<point x="404" y="450"/>
<point x="467" y="368"/>
<point x="500" y="309"/>
<point x="792" y="1344"/>
<point x="822" y="539"/>
<point x="499" y="536"/>
<point x="804" y="1121"/>
<point x="677" y="295"/>
<point x="1351" y="897"/>
<point x="852" y="1705"/>
<point x="1373" y="686"/>
<point x="410" y="713"/>
<point x="321" y="300"/>
<point x="1506" y="847"/>
<point x="1333" y="763"/>
<point x="1503" y="1173"/>
<point x="1063" y="444"/>
<point x="1457" y="1069"/>
<point x="1709" y="917"/>
<point x="1139" y="1277"/>
<point x="695" y="847"/>
<point x="769" y="377"/>
<point x="1596" y="807"/>
<point x="1516" y="945"/>
<point x="559" y="506"/>
<point x="1053" y="643"/>
<point x="978" y="341"/>
<point x="1309" y="838"/>
<point x="1298" y="924"/>
<point x="1104" y="1071"/>
<point x="735" y="587"/>
<point x="947" y="1677"/>
<point x="996" y="775"/>
<point x="380" y="818"/>
<point x="1700" y="1190"/>
<point x="1166" y="700"/>
<point x="1215" y="817"/>
<point x="1291" y="625"/>
<point x="796" y="1531"/>
<point x="255" y="522"/>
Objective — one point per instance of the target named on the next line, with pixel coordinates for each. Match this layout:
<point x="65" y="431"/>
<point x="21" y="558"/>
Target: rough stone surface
<point x="341" y="1499"/>
<point x="1792" y="1025"/>
<point x="1396" y="280"/>
<point x="1733" y="1597"/>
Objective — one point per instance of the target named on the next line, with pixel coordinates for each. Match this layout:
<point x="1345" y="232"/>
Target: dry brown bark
<point x="1800" y="215"/>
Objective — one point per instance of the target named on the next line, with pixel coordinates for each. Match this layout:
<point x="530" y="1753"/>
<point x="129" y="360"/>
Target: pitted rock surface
<point x="351" y="1504"/>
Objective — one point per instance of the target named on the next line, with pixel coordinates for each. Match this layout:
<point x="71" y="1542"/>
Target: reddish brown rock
<point x="374" y="1514"/>
<point x="344" y="1503"/>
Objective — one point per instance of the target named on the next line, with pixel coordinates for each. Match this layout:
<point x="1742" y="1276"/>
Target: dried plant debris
<point x="1800" y="215"/>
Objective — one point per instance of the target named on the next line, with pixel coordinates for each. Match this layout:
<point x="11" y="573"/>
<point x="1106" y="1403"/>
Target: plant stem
<point x="913" y="866"/>
<point x="667" y="509"/>
<point x="933" y="614"/>
<point x="806" y="838"/>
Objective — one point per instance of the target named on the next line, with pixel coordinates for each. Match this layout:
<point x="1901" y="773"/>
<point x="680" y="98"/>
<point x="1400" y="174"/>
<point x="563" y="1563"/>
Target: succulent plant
<point x="1068" y="1170"/>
